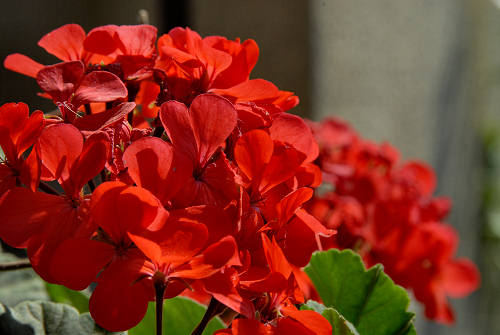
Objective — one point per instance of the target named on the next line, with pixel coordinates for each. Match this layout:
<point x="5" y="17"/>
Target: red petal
<point x="66" y="42"/>
<point x="91" y="161"/>
<point x="291" y="129"/>
<point x="275" y="257"/>
<point x="436" y="305"/>
<point x="212" y="119"/>
<point x="77" y="262"/>
<point x="119" y="302"/>
<point x="137" y="39"/>
<point x="251" y="116"/>
<point x="252" y="153"/>
<point x="261" y="280"/>
<point x="282" y="166"/>
<point x="314" y="224"/>
<point x="176" y="243"/>
<point x="215" y="61"/>
<point x="94" y="122"/>
<point x="216" y="186"/>
<point x="101" y="40"/>
<point x="172" y="53"/>
<point x="221" y="287"/>
<point x="60" y="146"/>
<point x="313" y="321"/>
<point x="210" y="261"/>
<point x="177" y="38"/>
<point x="285" y="101"/>
<point x="301" y="242"/>
<point x="217" y="221"/>
<point x="99" y="86"/>
<point x="32" y="129"/>
<point x="149" y="162"/>
<point x="13" y="117"/>
<point x="421" y="175"/>
<point x="244" y="59"/>
<point x="150" y="248"/>
<point x="309" y="174"/>
<point x="22" y="64"/>
<point x="146" y="98"/>
<point x="285" y="326"/>
<point x="39" y="222"/>
<point x="256" y="90"/>
<point x="460" y="278"/>
<point x="181" y="239"/>
<point x="175" y="118"/>
<point x="60" y="80"/>
<point x="119" y="208"/>
<point x="291" y="202"/>
<point x="31" y="170"/>
<point x="24" y="214"/>
<point x="251" y="327"/>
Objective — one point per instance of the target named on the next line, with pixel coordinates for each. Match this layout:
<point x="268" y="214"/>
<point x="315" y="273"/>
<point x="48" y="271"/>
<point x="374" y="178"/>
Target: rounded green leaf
<point x="368" y="299"/>
<point x="46" y="318"/>
<point x="340" y="326"/>
<point x="62" y="294"/>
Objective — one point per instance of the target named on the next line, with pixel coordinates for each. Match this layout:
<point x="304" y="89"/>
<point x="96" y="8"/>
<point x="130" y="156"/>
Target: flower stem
<point x="158" y="131"/>
<point x="22" y="264"/>
<point x="48" y="189"/>
<point x="214" y="308"/>
<point x="160" y="286"/>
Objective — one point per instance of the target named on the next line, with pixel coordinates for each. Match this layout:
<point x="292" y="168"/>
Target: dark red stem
<point x="160" y="286"/>
<point x="22" y="264"/>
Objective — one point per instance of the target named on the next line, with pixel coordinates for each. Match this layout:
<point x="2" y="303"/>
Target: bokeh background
<point x="421" y="74"/>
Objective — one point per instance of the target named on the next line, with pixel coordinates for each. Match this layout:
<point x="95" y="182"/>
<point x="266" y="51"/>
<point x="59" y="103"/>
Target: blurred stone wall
<point x="423" y="75"/>
<point x="484" y="104"/>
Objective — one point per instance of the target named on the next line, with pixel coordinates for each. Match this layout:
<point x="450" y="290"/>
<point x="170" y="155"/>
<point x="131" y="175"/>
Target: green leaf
<point x="46" y="318"/>
<point x="19" y="285"/>
<point x="339" y="324"/>
<point x="180" y="317"/>
<point x="62" y="294"/>
<point x="368" y="299"/>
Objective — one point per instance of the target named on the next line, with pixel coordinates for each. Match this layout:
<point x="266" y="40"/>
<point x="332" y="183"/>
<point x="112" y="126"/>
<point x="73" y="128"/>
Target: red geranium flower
<point x="194" y="66"/>
<point x="40" y="221"/>
<point x="18" y="132"/>
<point x="198" y="133"/>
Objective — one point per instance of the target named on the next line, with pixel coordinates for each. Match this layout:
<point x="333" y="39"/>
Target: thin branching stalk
<point x="160" y="286"/>
<point x="213" y="309"/>
<point x="21" y="264"/>
<point x="48" y="189"/>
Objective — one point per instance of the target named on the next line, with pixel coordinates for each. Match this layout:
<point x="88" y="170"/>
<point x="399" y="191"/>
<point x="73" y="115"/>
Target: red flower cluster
<point x="387" y="212"/>
<point x="165" y="168"/>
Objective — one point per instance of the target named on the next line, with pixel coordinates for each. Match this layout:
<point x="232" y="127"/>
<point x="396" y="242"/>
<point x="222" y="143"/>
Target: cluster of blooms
<point x="164" y="168"/>
<point x="386" y="211"/>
